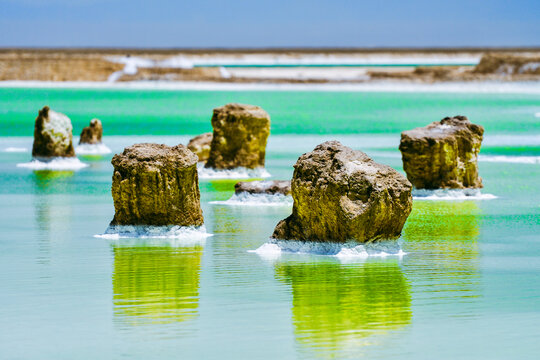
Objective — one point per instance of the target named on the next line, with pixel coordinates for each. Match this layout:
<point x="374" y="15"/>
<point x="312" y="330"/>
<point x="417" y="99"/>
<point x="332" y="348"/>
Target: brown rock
<point x="263" y="187"/>
<point x="508" y="64"/>
<point x="156" y="185"/>
<point x="443" y="154"/>
<point x="200" y="145"/>
<point x="92" y="134"/>
<point x="52" y="135"/>
<point x="341" y="194"/>
<point x="239" y="139"/>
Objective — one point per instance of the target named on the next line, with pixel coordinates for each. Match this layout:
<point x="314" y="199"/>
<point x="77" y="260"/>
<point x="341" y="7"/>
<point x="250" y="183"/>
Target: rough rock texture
<point x="156" y="185"/>
<point x="52" y="135"/>
<point x="200" y="145"/>
<point x="263" y="187"/>
<point x="240" y="134"/>
<point x="508" y="64"/>
<point x="92" y="134"/>
<point x="341" y="194"/>
<point x="443" y="154"/>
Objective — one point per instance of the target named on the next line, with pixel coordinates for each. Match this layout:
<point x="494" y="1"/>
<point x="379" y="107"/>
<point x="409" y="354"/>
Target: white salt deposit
<point x="247" y="199"/>
<point x="16" y="149"/>
<point x="238" y="173"/>
<point x="451" y="194"/>
<point x="58" y="163"/>
<point x="114" y="232"/>
<point x="92" y="149"/>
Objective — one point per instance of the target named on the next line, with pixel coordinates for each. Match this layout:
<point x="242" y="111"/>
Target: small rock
<point x="52" y="135"/>
<point x="200" y="145"/>
<point x="92" y="134"/>
<point x="443" y="154"/>
<point x="263" y="187"/>
<point x="156" y="185"/>
<point x="239" y="139"/>
<point x="341" y="194"/>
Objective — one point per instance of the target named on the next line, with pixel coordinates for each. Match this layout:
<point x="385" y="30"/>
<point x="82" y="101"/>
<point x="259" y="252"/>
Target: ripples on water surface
<point x="466" y="288"/>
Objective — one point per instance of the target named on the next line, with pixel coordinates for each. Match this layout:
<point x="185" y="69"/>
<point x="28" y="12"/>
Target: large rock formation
<point x="200" y="145"/>
<point x="156" y="185"/>
<point x="341" y="194"/>
<point x="52" y="135"/>
<point x="240" y="134"/>
<point x="92" y="134"/>
<point x="272" y="187"/>
<point x="443" y="154"/>
<point x="508" y="64"/>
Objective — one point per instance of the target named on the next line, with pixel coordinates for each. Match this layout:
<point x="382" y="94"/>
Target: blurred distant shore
<point x="272" y="65"/>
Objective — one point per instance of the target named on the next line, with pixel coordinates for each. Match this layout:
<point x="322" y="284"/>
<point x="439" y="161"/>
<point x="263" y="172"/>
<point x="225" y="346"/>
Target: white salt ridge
<point x="247" y="199"/>
<point x="191" y="233"/>
<point x="92" y="149"/>
<point x="274" y="248"/>
<point x="529" y="87"/>
<point x="451" y="194"/>
<point x="16" y="149"/>
<point x="537" y="114"/>
<point x="510" y="159"/>
<point x="238" y="173"/>
<point x="58" y="163"/>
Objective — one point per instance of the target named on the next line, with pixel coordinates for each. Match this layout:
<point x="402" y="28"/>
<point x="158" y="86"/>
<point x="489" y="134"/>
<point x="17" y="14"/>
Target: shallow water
<point x="467" y="288"/>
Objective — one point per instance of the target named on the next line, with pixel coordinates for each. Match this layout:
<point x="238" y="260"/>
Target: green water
<point x="468" y="287"/>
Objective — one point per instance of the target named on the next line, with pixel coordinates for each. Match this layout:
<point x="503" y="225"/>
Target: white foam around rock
<point x="451" y="194"/>
<point x="190" y="233"/>
<point x="92" y="149"/>
<point x="58" y="163"/>
<point x="238" y="173"/>
<point x="274" y="248"/>
<point x="247" y="199"/>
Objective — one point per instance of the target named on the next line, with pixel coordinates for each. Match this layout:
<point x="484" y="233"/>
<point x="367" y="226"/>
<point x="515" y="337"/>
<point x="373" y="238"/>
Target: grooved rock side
<point x="200" y="145"/>
<point x="263" y="187"/>
<point x="156" y="185"/>
<point x="52" y="135"/>
<point x="443" y="154"/>
<point x="240" y="135"/>
<point x="92" y="134"/>
<point x="341" y="194"/>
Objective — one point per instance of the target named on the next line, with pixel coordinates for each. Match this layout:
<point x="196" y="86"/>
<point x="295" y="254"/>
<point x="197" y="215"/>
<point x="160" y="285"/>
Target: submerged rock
<point x="239" y="139"/>
<point x="443" y="154"/>
<point x="156" y="185"/>
<point x="263" y="187"/>
<point x="92" y="134"/>
<point x="52" y="135"/>
<point x="200" y="145"/>
<point x="341" y="194"/>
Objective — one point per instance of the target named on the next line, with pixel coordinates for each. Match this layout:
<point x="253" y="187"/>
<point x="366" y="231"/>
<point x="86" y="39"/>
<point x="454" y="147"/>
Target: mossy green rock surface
<point x="239" y="139"/>
<point x="200" y="146"/>
<point x="156" y="185"/>
<point x="53" y="135"/>
<point x="341" y="195"/>
<point x="92" y="134"/>
<point x="443" y="154"/>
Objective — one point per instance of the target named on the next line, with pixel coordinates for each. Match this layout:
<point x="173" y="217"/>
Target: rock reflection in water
<point x="443" y="262"/>
<point x="156" y="284"/>
<point x="337" y="307"/>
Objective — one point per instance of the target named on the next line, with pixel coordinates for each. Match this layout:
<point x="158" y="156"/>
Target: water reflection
<point x="444" y="260"/>
<point x="336" y="307"/>
<point x="156" y="284"/>
<point x="51" y="210"/>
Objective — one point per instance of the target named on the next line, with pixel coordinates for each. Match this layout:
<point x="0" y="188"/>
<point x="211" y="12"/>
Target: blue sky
<point x="243" y="23"/>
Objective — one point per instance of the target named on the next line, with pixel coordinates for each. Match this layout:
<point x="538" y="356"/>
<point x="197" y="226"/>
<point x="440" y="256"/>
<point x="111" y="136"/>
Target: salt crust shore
<point x="273" y="249"/>
<point x="525" y="87"/>
<point x="239" y="173"/>
<point x="451" y="194"/>
<point x="190" y="233"/>
<point x="246" y="199"/>
<point x="54" y="164"/>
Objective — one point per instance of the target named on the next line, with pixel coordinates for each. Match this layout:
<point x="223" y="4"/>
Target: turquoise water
<point x="467" y="288"/>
